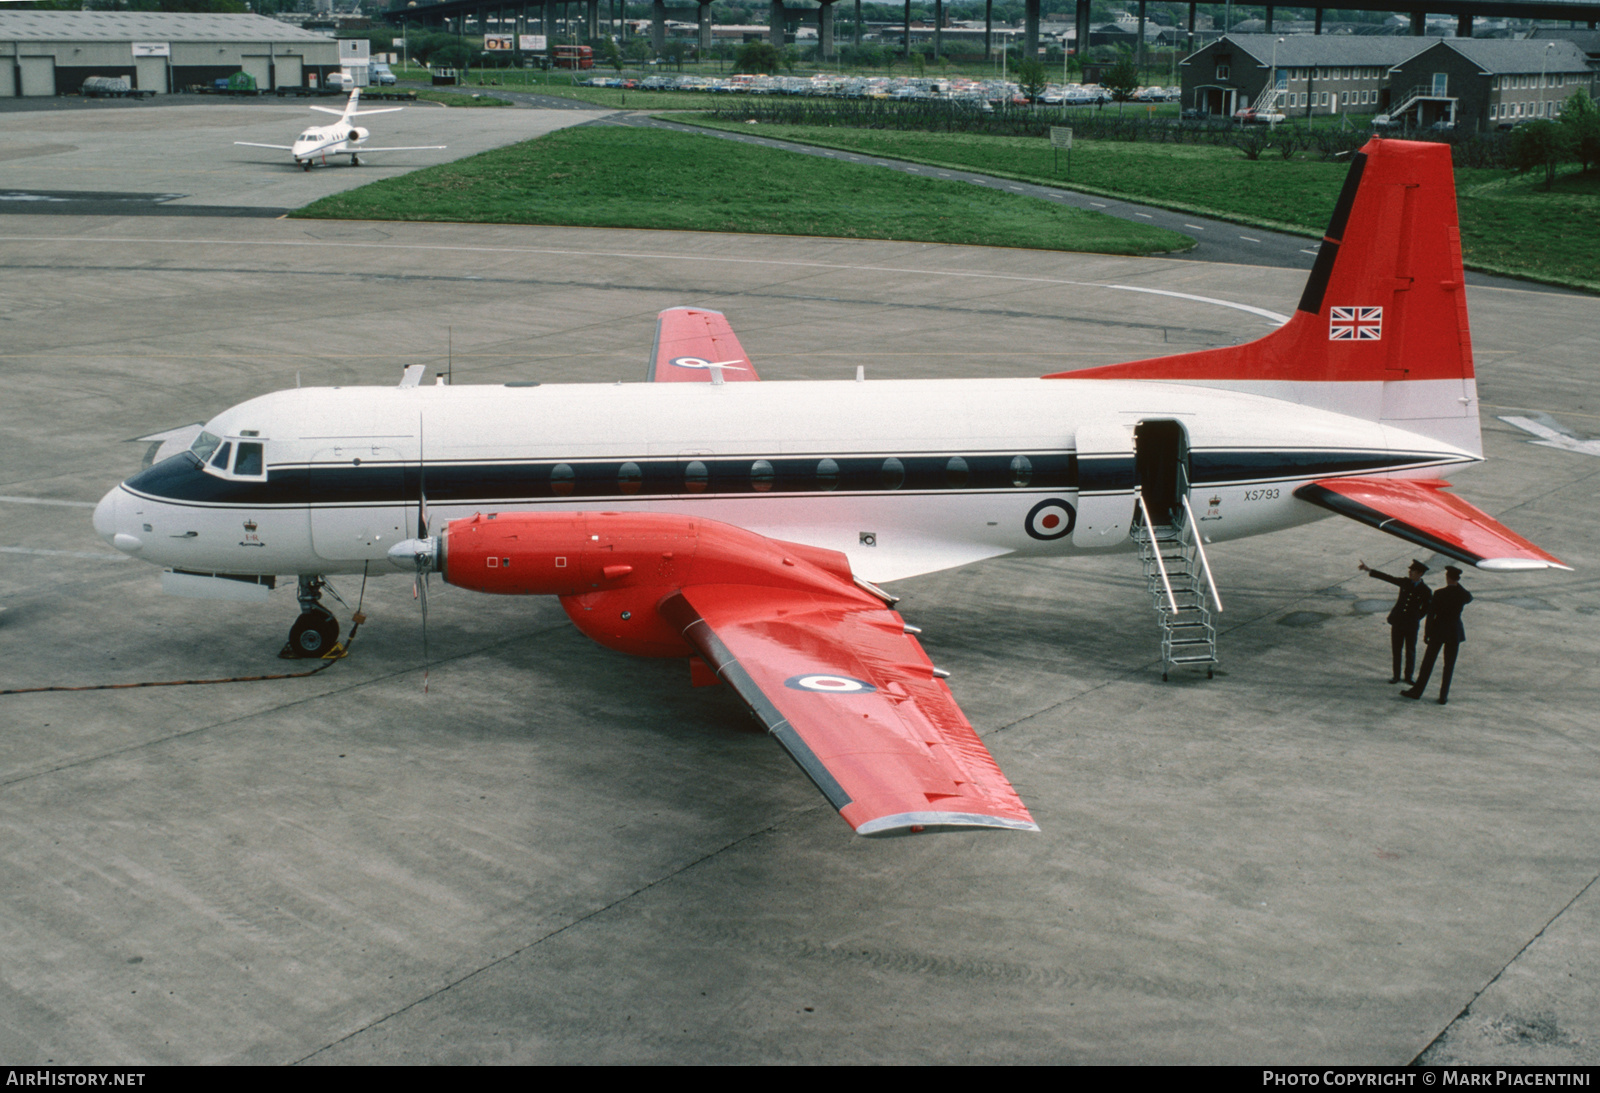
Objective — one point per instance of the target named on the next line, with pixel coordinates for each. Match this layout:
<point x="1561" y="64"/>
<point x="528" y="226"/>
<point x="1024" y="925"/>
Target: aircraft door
<point x="360" y="506"/>
<point x="1105" y="486"/>
<point x="1162" y="467"/>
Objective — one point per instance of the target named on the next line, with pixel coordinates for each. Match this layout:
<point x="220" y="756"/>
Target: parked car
<point x="1250" y="116"/>
<point x="382" y="76"/>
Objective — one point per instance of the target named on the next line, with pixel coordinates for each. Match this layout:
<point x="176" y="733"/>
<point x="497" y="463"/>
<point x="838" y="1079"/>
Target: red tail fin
<point x="1381" y="330"/>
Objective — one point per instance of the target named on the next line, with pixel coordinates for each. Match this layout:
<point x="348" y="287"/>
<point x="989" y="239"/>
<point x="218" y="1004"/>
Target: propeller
<point x="420" y="554"/>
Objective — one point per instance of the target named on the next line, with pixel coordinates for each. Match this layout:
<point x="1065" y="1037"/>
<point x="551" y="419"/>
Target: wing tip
<point x="925" y="823"/>
<point x="1517" y="565"/>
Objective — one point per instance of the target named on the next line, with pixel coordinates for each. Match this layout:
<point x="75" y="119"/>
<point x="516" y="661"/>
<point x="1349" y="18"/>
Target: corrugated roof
<point x="1312" y="50"/>
<point x="147" y="26"/>
<point x="1508" y="55"/>
<point x="1489" y="54"/>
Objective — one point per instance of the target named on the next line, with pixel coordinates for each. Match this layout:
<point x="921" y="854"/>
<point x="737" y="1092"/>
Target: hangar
<point x="53" y="52"/>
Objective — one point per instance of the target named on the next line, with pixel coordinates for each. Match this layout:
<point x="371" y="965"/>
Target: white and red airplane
<point x="745" y="525"/>
<point x="340" y="138"/>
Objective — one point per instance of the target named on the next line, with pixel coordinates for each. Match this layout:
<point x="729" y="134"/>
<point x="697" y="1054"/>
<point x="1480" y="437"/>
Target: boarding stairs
<point x="1179" y="580"/>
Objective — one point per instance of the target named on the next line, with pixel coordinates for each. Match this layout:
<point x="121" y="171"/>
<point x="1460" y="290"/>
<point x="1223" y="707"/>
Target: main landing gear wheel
<point x="312" y="635"/>
<point x="355" y="161"/>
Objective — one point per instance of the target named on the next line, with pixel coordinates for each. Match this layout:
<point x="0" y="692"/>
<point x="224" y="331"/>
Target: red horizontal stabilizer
<point x="854" y="700"/>
<point x="697" y="346"/>
<point x="1421" y="512"/>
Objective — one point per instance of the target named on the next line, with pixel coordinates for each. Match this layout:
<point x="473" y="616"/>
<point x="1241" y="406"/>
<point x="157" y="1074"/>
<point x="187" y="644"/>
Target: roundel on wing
<point x="829" y="684"/>
<point x="1051" y="519"/>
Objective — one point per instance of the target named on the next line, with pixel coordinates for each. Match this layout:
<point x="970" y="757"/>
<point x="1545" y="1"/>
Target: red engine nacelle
<point x="611" y="570"/>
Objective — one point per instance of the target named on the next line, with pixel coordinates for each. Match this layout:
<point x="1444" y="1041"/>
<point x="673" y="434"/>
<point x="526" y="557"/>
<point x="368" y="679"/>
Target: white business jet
<point x="743" y="525"/>
<point x="341" y="138"/>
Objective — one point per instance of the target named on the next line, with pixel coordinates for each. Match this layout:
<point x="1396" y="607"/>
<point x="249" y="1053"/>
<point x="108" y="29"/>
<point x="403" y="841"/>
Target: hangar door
<point x="8" y="78"/>
<point x="38" y="75"/>
<point x="151" y="73"/>
<point x="261" y="69"/>
<point x="289" y="72"/>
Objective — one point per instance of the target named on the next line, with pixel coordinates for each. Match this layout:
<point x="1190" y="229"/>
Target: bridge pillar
<point x="1318" y="29"/>
<point x="775" y="24"/>
<point x="591" y="20"/>
<point x="703" y="27"/>
<point x="905" y="45"/>
<point x="1191" y="26"/>
<point x="1139" y="53"/>
<point x="1083" y="28"/>
<point x="1419" y="24"/>
<point x="938" y="28"/>
<point x="658" y="26"/>
<point x="1464" y="26"/>
<point x="1269" y="18"/>
<point x="858" y="23"/>
<point x="1030" y="29"/>
<point x="825" y="30"/>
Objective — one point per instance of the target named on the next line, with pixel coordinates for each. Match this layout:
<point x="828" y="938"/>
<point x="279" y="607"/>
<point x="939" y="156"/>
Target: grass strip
<point x="625" y="177"/>
<point x="454" y="98"/>
<point x="1509" y="224"/>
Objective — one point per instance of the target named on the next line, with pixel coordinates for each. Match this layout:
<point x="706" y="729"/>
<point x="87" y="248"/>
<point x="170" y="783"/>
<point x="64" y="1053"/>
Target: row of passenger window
<point x="723" y="476"/>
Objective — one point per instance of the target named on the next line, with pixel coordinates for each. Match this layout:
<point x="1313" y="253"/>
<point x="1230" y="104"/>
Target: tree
<point x="1032" y="79"/>
<point x="1580" y="117"/>
<point x="1540" y="143"/>
<point x="758" y="57"/>
<point x="675" y="52"/>
<point x="1122" y="81"/>
<point x="613" y="54"/>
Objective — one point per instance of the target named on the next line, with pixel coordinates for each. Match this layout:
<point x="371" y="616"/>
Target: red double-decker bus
<point x="574" y="57"/>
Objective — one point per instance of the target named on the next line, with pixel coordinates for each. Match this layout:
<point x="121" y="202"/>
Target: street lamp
<point x="1544" y="67"/>
<point x="1274" y="100"/>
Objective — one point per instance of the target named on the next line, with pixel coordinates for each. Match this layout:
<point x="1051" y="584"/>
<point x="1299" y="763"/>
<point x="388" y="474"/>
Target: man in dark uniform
<point x="1444" y="629"/>
<point x="1410" y="607"/>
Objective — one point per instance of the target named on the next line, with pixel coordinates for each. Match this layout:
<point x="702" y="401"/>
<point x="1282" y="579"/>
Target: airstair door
<point x="1106" y="478"/>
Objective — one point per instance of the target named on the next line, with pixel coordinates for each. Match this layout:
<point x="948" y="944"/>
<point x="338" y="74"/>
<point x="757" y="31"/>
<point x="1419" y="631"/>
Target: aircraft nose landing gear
<point x="316" y="631"/>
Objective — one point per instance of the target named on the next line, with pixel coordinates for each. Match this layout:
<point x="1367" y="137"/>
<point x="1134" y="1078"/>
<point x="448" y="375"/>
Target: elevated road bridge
<point x="566" y="19"/>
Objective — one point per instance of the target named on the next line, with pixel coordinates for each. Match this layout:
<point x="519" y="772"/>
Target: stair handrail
<point x="1200" y="552"/>
<point x="1155" y="549"/>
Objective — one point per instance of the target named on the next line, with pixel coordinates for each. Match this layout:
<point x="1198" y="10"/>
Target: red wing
<point x="697" y="346"/>
<point x="853" y="699"/>
<point x="1421" y="512"/>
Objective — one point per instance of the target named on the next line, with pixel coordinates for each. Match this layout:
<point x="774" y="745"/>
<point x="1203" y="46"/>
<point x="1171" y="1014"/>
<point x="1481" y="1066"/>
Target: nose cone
<point x="108" y="523"/>
<point x="105" y="515"/>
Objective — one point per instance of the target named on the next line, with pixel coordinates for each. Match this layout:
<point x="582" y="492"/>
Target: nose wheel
<point x="316" y="631"/>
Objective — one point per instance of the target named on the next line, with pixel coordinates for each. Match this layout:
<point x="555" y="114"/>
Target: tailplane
<point x="1381" y="329"/>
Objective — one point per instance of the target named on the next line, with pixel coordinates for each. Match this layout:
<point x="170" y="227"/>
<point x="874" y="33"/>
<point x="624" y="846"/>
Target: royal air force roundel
<point x="1051" y="519"/>
<point x="830" y="685"/>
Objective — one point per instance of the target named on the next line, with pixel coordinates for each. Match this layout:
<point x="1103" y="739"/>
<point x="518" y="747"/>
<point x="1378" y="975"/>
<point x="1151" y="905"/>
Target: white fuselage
<point x="321" y="141"/>
<point x="904" y="477"/>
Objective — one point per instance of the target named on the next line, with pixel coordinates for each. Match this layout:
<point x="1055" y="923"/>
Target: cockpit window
<point x="204" y="445"/>
<point x="249" y="460"/>
<point x="220" y="460"/>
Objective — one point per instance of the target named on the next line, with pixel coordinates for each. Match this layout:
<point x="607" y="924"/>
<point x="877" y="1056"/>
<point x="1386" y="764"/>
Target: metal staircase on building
<point x="1179" y="579"/>
<point x="1267" y="100"/>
